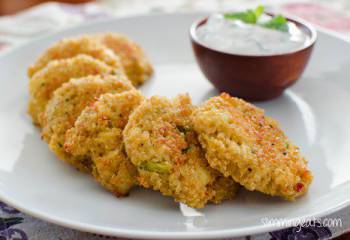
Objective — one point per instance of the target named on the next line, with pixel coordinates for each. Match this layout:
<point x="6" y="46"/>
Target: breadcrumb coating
<point x="97" y="134"/>
<point x="68" y="102"/>
<point x="45" y="81"/>
<point x="136" y="65"/>
<point x="70" y="47"/>
<point x="162" y="145"/>
<point x="251" y="148"/>
<point x="82" y="95"/>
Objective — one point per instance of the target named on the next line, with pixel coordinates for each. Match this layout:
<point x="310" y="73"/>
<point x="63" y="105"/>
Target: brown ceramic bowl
<point x="254" y="78"/>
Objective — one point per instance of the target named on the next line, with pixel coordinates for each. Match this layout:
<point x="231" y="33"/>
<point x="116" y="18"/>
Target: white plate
<point x="314" y="113"/>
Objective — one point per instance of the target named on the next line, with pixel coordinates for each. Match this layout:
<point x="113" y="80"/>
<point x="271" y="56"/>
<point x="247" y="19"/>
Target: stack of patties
<point x="88" y="55"/>
<point x="202" y="154"/>
<point x="82" y="94"/>
<point x="160" y="141"/>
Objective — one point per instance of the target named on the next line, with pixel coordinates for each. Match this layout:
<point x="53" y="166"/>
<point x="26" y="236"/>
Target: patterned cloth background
<point x="49" y="17"/>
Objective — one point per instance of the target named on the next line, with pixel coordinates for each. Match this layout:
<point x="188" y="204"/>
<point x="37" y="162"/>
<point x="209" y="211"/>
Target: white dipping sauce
<point x="237" y="37"/>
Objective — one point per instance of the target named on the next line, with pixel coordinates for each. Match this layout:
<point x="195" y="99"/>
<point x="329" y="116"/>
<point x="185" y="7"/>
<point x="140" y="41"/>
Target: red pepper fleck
<point x="67" y="147"/>
<point x="299" y="186"/>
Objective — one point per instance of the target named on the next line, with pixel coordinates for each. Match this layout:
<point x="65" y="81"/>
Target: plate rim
<point x="141" y="234"/>
<point x="151" y="234"/>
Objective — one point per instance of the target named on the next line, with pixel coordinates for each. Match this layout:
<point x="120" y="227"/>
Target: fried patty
<point x="70" y="47"/>
<point x="54" y="74"/>
<point x="97" y="134"/>
<point x="241" y="142"/>
<point x="161" y="143"/>
<point x="136" y="65"/>
<point x="68" y="102"/>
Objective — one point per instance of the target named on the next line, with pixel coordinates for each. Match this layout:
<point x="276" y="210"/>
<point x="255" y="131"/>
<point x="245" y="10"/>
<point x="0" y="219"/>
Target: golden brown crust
<point x="161" y="143"/>
<point x="136" y="64"/>
<point x="241" y="142"/>
<point x="45" y="81"/>
<point x="70" y="47"/>
<point x="97" y="134"/>
<point x="66" y="105"/>
<point x="94" y="119"/>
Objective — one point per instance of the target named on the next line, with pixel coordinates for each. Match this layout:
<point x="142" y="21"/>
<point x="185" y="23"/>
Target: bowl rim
<point x="303" y="23"/>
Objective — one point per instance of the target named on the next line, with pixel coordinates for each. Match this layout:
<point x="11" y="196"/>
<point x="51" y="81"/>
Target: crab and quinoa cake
<point x="45" y="81"/>
<point x="68" y="102"/>
<point x="161" y="143"/>
<point x="70" y="47"/>
<point x="241" y="142"/>
<point x="136" y="64"/>
<point x="97" y="134"/>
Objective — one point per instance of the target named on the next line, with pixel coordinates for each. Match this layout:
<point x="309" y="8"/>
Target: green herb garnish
<point x="155" y="167"/>
<point x="250" y="16"/>
<point x="278" y="22"/>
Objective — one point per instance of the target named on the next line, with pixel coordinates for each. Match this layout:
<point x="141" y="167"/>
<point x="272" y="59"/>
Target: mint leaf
<point x="278" y="23"/>
<point x="258" y="11"/>
<point x="249" y="16"/>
